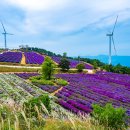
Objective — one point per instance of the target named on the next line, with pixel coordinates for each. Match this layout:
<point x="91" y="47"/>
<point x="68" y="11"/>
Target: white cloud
<point x="38" y="5"/>
<point x="70" y="15"/>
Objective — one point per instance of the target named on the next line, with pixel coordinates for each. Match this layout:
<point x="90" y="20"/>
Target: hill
<point x="35" y="58"/>
<point x="65" y="96"/>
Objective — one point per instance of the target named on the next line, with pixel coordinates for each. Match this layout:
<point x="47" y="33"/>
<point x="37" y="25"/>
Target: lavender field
<point x="85" y="89"/>
<point x="48" y="88"/>
<point x="73" y="63"/>
<point x="35" y="58"/>
<point x="14" y="57"/>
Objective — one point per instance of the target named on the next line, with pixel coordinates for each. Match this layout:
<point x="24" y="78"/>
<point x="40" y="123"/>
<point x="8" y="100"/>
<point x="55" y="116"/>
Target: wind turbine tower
<point x="111" y="40"/>
<point x="5" y="35"/>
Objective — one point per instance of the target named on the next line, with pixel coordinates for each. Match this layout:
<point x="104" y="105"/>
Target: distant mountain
<point x="123" y="60"/>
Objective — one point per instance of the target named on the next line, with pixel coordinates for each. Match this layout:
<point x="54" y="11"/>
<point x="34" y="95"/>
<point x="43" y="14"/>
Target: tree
<point x="64" y="55"/>
<point x="108" y="68"/>
<point x="64" y="64"/>
<point x="79" y="59"/>
<point x="80" y="67"/>
<point x="48" y="68"/>
<point x="95" y="64"/>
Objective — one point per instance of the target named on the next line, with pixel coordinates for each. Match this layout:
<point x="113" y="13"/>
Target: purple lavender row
<point x="86" y="90"/>
<point x="111" y="90"/>
<point x="48" y="88"/>
<point x="26" y="75"/>
<point x="70" y="107"/>
<point x="14" y="57"/>
<point x="122" y="79"/>
<point x="33" y="58"/>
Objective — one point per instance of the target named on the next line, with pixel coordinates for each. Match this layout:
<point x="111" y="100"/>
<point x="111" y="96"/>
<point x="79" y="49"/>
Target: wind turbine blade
<point x="115" y="25"/>
<point x="9" y="34"/>
<point x="3" y="27"/>
<point x="114" y="45"/>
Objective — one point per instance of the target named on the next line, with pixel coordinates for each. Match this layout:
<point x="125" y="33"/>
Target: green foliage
<point x="72" y="71"/>
<point x="92" y="61"/>
<point x="80" y="67"/>
<point x="64" y="64"/>
<point x="108" y="68"/>
<point x="110" y="117"/>
<point x="42" y="51"/>
<point x="5" y="112"/>
<point x="11" y="119"/>
<point x="48" y="68"/>
<point x="61" y="82"/>
<point x="30" y="106"/>
<point x="78" y="58"/>
<point x="116" y="69"/>
<point x="41" y="80"/>
<point x="95" y="65"/>
<point x="64" y="55"/>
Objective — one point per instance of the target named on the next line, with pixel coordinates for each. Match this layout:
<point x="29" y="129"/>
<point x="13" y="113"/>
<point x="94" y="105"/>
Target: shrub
<point x="72" y="71"/>
<point x="41" y="80"/>
<point x="109" y="116"/>
<point x="29" y="106"/>
<point x="64" y="64"/>
<point x="61" y="82"/>
<point x="80" y="67"/>
<point x="48" y="68"/>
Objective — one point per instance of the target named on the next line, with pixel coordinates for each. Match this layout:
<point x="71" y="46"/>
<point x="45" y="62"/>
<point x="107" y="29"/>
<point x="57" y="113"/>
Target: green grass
<point x="12" y="69"/>
<point x="61" y="82"/>
<point x="59" y="119"/>
<point x="41" y="80"/>
<point x="16" y="119"/>
<point x="18" y="64"/>
<point x="70" y="124"/>
<point x="53" y="81"/>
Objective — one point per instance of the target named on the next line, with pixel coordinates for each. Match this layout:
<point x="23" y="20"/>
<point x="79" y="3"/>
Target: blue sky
<point x="77" y="27"/>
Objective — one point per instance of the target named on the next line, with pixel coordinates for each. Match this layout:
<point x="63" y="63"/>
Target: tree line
<point x="96" y="63"/>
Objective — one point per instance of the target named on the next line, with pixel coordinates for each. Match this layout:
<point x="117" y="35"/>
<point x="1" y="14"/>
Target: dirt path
<point x="23" y="61"/>
<point x="56" y="91"/>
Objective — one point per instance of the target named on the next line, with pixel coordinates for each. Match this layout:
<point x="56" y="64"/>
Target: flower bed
<point x="33" y="58"/>
<point x="73" y="63"/>
<point x="26" y="75"/>
<point x="48" y="88"/>
<point x="16" y="89"/>
<point x="85" y="89"/>
<point x="14" y="57"/>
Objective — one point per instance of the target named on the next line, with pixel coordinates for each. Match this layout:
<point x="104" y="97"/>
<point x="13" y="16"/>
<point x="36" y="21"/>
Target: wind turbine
<point x="111" y="40"/>
<point x="5" y="35"/>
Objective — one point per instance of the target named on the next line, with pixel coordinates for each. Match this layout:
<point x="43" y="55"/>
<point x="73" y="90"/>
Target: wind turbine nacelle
<point x="109" y="34"/>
